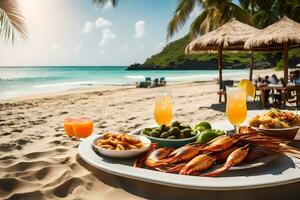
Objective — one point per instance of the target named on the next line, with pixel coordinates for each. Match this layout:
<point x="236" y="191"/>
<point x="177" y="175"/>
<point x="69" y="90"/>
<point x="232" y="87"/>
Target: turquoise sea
<point x="19" y="81"/>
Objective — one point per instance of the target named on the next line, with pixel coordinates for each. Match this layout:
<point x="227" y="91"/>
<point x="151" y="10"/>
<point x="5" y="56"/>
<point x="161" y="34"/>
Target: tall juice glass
<point x="163" y="111"/>
<point x="236" y="107"/>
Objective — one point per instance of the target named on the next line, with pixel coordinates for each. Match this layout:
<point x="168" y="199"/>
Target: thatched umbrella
<point x="280" y="36"/>
<point x="231" y="36"/>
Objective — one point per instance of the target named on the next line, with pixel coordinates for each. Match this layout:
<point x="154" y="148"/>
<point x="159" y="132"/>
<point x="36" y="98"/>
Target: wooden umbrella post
<point x="220" y="63"/>
<point x="286" y="62"/>
<point x="251" y="67"/>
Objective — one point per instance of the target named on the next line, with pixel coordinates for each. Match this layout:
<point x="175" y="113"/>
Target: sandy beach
<point x="37" y="159"/>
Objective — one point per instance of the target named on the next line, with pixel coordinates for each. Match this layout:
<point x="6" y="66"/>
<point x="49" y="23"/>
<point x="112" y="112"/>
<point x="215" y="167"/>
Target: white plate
<point x="256" y="163"/>
<point x="125" y="153"/>
<point x="282" y="170"/>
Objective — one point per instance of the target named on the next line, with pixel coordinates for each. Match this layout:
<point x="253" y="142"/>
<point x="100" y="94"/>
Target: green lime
<point x="206" y="136"/>
<point x="203" y="126"/>
<point x="219" y="132"/>
<point x="200" y="128"/>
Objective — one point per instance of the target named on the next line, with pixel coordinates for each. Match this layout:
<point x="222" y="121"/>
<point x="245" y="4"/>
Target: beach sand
<point x="37" y="159"/>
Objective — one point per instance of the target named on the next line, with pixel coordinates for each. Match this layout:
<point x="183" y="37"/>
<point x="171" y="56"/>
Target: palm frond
<point x="264" y="18"/>
<point x="245" y="3"/>
<point x="296" y="9"/>
<point x="12" y="23"/>
<point x="199" y="26"/>
<point x="104" y="2"/>
<point x="181" y="14"/>
<point x="240" y="14"/>
<point x="212" y="20"/>
<point x="249" y="5"/>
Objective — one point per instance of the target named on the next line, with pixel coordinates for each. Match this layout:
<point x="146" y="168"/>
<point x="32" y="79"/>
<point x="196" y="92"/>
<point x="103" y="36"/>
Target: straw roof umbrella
<point x="231" y="36"/>
<point x="280" y="36"/>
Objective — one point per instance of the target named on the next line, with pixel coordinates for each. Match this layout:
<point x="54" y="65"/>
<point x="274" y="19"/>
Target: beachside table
<point x="149" y="190"/>
<point x="283" y="91"/>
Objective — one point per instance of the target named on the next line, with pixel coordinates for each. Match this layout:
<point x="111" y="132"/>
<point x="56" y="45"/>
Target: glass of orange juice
<point x="83" y="127"/>
<point x="236" y="107"/>
<point x="68" y="126"/>
<point x="163" y="111"/>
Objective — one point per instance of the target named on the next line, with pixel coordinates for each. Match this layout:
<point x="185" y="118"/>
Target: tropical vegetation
<point x="12" y="24"/>
<point x="213" y="14"/>
<point x="173" y="56"/>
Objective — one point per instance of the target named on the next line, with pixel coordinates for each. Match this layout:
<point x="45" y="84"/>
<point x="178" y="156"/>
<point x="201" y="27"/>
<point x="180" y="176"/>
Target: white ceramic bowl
<point x="124" y="153"/>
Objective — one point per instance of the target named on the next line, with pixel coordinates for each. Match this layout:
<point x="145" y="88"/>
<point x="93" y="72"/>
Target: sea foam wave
<point x="174" y="78"/>
<point x="13" y="75"/>
<point x="75" y="83"/>
<point x="135" y="76"/>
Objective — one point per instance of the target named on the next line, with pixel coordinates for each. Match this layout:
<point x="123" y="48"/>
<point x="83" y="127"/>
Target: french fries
<point x="119" y="142"/>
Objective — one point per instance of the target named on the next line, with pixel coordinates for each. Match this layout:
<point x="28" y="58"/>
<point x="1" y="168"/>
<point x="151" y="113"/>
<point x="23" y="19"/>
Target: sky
<point x="77" y="33"/>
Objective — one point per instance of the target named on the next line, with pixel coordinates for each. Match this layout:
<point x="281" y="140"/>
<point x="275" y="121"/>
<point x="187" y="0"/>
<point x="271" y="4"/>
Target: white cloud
<point x="107" y="35"/>
<point x="78" y="47"/>
<point x="88" y="27"/>
<point x="101" y="23"/>
<point x="139" y="29"/>
<point x="108" y="6"/>
<point x="55" y="47"/>
<point x="141" y="46"/>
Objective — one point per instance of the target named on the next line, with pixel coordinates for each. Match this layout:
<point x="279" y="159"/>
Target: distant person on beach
<point x="274" y="79"/>
<point x="266" y="80"/>
<point x="297" y="77"/>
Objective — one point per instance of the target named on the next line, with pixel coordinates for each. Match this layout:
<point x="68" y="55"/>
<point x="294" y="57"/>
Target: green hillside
<point x="173" y="55"/>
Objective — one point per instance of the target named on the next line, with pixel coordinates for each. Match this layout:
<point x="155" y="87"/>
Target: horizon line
<point x="66" y="66"/>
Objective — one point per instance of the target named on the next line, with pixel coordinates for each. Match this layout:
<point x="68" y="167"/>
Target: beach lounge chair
<point x="141" y="84"/>
<point x="148" y="81"/>
<point x="156" y="82"/>
<point x="162" y="81"/>
<point x="137" y="84"/>
<point x="222" y="92"/>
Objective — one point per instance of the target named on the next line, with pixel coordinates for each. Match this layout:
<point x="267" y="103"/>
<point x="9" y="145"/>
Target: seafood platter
<point x="201" y="156"/>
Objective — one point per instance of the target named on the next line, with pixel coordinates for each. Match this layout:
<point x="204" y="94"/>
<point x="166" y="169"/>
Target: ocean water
<point x="19" y="81"/>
